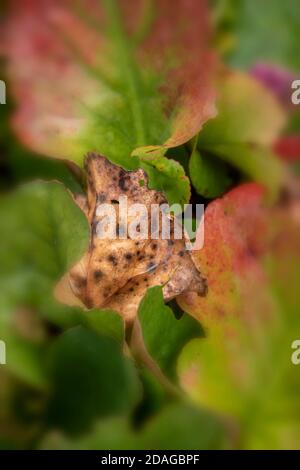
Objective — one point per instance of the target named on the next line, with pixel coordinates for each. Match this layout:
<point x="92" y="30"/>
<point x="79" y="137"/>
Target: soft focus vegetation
<point x="198" y="95"/>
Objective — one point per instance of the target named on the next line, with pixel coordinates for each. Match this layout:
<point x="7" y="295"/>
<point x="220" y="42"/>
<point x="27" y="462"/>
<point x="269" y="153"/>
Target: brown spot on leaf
<point x="98" y="275"/>
<point x="113" y="259"/>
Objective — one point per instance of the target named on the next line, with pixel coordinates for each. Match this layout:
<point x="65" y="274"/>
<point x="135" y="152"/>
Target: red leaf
<point x="55" y="54"/>
<point x="236" y="235"/>
<point x="288" y="148"/>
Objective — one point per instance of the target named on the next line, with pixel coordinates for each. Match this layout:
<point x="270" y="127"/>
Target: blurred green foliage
<point x="70" y="381"/>
<point x="252" y="31"/>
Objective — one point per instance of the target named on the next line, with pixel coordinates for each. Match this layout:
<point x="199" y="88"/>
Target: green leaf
<point x="177" y="426"/>
<point x="256" y="162"/>
<point x="210" y="176"/>
<point x="24" y="359"/>
<point x="249" y="121"/>
<point x="109" y="433"/>
<point x="118" y="92"/>
<point x="266" y="31"/>
<point x="44" y="233"/>
<point x="105" y="322"/>
<point x="165" y="174"/>
<point x="183" y="426"/>
<point x="247" y="113"/>
<point x="163" y="334"/>
<point x="44" y="229"/>
<point x="91" y="378"/>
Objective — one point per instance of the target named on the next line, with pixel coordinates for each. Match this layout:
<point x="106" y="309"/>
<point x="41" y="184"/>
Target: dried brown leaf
<point x="116" y="273"/>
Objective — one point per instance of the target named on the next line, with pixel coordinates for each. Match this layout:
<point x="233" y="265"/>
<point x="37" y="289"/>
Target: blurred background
<point x="67" y="383"/>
